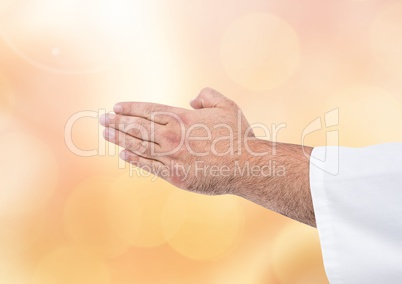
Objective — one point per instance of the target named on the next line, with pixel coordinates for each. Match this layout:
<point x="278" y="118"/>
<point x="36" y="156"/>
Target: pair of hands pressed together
<point x="212" y="150"/>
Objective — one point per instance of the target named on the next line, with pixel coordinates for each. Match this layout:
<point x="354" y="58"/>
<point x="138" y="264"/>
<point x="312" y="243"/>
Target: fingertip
<point x="196" y="103"/>
<point x="118" y="108"/>
<point x="193" y="104"/>
<point x="123" y="155"/>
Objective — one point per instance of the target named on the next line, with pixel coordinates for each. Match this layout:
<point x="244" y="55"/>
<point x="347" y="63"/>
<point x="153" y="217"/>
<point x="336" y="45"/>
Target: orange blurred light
<point x="260" y="51"/>
<point x="28" y="173"/>
<point x="67" y="265"/>
<point x="202" y="227"/>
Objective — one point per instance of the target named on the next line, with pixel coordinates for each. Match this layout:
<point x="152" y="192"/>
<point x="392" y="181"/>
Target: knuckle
<point x="140" y="147"/>
<point x="138" y="130"/>
<point x="232" y="103"/>
<point x="127" y="142"/>
<point x="206" y="91"/>
<point x="136" y="124"/>
<point x="143" y="146"/>
<point x="171" y="137"/>
<point x="186" y="117"/>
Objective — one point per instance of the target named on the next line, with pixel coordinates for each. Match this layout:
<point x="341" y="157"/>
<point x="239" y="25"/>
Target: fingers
<point x="137" y="127"/>
<point x="210" y="98"/>
<point x="137" y="146"/>
<point x="153" y="166"/>
<point x="150" y="111"/>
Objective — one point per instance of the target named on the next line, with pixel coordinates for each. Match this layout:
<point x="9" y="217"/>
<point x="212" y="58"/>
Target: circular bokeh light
<point x="70" y="265"/>
<point x="88" y="218"/>
<point x="22" y="230"/>
<point x="202" y="227"/>
<point x="28" y="173"/>
<point x="367" y="115"/>
<point x="296" y="256"/>
<point x="76" y="37"/>
<point x="139" y="197"/>
<point x="260" y="51"/>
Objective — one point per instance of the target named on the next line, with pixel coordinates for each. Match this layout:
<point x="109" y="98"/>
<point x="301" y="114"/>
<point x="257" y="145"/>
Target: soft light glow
<point x="51" y="24"/>
<point x="20" y="231"/>
<point x="386" y="38"/>
<point x="5" y="5"/>
<point x="260" y="51"/>
<point x="138" y="205"/>
<point x="126" y="25"/>
<point x="362" y="119"/>
<point x="291" y="62"/>
<point x="6" y="101"/>
<point x="296" y="256"/>
<point x="105" y="31"/>
<point x="68" y="265"/>
<point x="89" y="219"/>
<point x="122" y="17"/>
<point x="202" y="227"/>
<point x="28" y="173"/>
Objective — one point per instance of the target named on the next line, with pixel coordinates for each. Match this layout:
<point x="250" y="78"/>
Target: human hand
<point x="212" y="150"/>
<point x="197" y="150"/>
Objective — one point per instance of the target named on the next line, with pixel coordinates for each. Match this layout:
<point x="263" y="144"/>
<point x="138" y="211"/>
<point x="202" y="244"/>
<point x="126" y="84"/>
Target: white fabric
<point x="359" y="212"/>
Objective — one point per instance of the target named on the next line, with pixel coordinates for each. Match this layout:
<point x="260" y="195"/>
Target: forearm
<point x="286" y="190"/>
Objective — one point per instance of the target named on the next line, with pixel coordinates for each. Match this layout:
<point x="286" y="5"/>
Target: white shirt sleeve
<point x="357" y="198"/>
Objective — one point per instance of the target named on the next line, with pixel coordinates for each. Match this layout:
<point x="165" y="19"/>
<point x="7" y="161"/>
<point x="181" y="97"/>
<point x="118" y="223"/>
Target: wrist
<point x="280" y="180"/>
<point x="254" y="168"/>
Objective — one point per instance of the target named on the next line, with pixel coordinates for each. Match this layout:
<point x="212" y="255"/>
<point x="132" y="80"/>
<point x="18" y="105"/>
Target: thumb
<point x="210" y="98"/>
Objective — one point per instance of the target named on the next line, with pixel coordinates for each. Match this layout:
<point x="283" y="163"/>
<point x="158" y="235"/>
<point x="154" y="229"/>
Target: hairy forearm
<point x="200" y="153"/>
<point x="287" y="189"/>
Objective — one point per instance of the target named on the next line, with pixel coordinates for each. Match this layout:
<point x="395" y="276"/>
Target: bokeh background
<point x="68" y="218"/>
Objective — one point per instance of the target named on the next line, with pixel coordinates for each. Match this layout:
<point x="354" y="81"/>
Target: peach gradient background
<point x="71" y="219"/>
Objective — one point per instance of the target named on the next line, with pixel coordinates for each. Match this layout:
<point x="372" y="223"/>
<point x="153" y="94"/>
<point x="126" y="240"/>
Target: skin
<point x="204" y="150"/>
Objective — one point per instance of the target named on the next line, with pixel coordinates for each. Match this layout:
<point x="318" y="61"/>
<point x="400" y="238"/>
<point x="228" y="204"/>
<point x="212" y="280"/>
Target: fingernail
<point x="110" y="133"/>
<point x="111" y="115"/>
<point x="117" y="109"/>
